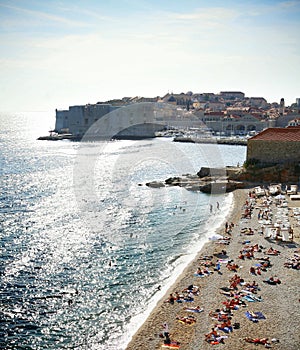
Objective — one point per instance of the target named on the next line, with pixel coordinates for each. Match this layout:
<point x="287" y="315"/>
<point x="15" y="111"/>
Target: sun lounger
<point x="295" y="197"/>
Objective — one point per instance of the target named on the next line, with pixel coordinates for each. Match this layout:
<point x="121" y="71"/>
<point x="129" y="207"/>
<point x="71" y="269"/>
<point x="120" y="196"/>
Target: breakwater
<point x="224" y="141"/>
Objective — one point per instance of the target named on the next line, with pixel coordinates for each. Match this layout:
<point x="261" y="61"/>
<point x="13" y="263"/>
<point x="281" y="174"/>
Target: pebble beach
<point x="216" y="295"/>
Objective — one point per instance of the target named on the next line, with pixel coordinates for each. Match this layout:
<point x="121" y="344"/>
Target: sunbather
<point x="225" y="326"/>
<point x="186" y="319"/>
<point x="211" y="336"/>
<point x="232" y="267"/>
<point x="272" y="251"/>
<point x="273" y="280"/>
<point x="193" y="309"/>
<point x="263" y="341"/>
<point x="170" y="300"/>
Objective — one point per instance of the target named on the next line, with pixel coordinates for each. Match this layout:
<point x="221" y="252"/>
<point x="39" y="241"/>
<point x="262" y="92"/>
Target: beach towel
<point x="218" y="340"/>
<point x="251" y="298"/>
<point x="194" y="310"/>
<point x="223" y="261"/>
<point x="187" y="300"/>
<point x="202" y="274"/>
<point x="272" y="282"/>
<point x="174" y="345"/>
<point x="254" y="318"/>
<point x="226" y="329"/>
<point x="187" y="322"/>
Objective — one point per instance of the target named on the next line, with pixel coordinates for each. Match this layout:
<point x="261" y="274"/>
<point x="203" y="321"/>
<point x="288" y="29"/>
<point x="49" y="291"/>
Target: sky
<point x="54" y="54"/>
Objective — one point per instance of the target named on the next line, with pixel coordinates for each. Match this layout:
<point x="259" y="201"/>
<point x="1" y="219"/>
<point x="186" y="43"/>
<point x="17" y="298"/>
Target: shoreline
<point x="191" y="337"/>
<point x="205" y="249"/>
<point x="216" y="222"/>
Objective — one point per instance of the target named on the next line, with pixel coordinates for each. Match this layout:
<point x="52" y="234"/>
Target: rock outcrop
<point x="221" y="180"/>
<point x="207" y="180"/>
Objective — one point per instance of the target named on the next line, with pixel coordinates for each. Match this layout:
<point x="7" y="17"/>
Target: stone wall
<point x="273" y="151"/>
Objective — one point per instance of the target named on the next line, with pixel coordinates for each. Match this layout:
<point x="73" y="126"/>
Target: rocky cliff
<point x="220" y="180"/>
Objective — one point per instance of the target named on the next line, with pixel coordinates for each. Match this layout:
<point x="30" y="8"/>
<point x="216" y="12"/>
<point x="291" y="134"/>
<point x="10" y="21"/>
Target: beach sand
<point x="280" y="303"/>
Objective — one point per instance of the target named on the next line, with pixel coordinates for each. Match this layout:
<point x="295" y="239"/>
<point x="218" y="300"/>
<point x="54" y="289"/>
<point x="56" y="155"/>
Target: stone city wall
<point x="273" y="151"/>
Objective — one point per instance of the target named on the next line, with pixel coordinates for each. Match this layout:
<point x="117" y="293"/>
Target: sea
<point x="87" y="249"/>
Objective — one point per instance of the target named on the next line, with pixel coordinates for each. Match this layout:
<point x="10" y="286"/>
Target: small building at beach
<point x="275" y="146"/>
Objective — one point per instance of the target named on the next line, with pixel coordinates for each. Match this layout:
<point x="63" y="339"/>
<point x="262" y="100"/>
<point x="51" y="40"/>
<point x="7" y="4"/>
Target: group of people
<point x="187" y="294"/>
<point x="228" y="227"/>
<point x="238" y="291"/>
<point x="293" y="262"/>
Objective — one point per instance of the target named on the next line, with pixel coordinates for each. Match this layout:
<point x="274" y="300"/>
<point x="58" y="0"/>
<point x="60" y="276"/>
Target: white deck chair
<point x="285" y="235"/>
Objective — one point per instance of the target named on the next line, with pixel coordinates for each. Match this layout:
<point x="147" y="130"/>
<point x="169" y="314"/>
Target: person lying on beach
<point x="273" y="280"/>
<point x="186" y="319"/>
<point x="272" y="251"/>
<point x="251" y="287"/>
<point x="234" y="281"/>
<point x="202" y="272"/>
<point x="263" y="341"/>
<point x="225" y="326"/>
<point x="264" y="264"/>
<point x="178" y="296"/>
<point x="220" y="314"/>
<point x="256" y="248"/>
<point x="192" y="289"/>
<point x="230" y="293"/>
<point x="193" y="309"/>
<point x="206" y="257"/>
<point x="232" y="267"/>
<point x="214" y="339"/>
<point x="248" y="231"/>
<point x="233" y="304"/>
<point x="292" y="264"/>
<point x="187" y="297"/>
<point x="246" y="253"/>
<point x="207" y="263"/>
<point x="212" y="335"/>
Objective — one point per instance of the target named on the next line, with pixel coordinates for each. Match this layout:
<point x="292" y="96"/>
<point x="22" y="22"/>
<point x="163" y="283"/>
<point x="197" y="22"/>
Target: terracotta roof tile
<point x="279" y="134"/>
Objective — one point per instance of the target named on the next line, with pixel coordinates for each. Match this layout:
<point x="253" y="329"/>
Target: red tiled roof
<point x="279" y="134"/>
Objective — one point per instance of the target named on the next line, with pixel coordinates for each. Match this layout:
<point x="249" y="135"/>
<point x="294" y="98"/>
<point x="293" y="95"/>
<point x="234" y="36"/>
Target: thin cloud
<point x="289" y="4"/>
<point x="218" y="14"/>
<point x="44" y="15"/>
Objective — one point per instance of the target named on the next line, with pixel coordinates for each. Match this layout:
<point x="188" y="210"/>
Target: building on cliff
<point x="275" y="146"/>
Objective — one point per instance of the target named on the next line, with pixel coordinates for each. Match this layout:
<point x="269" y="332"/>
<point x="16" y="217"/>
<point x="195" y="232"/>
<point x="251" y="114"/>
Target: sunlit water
<point x="84" y="243"/>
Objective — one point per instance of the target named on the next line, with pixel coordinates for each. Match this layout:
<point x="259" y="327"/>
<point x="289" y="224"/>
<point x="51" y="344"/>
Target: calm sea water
<point x="84" y="243"/>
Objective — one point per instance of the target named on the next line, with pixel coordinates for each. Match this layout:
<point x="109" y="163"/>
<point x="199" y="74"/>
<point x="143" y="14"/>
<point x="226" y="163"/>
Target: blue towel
<point x="248" y="298"/>
<point x="258" y="316"/>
